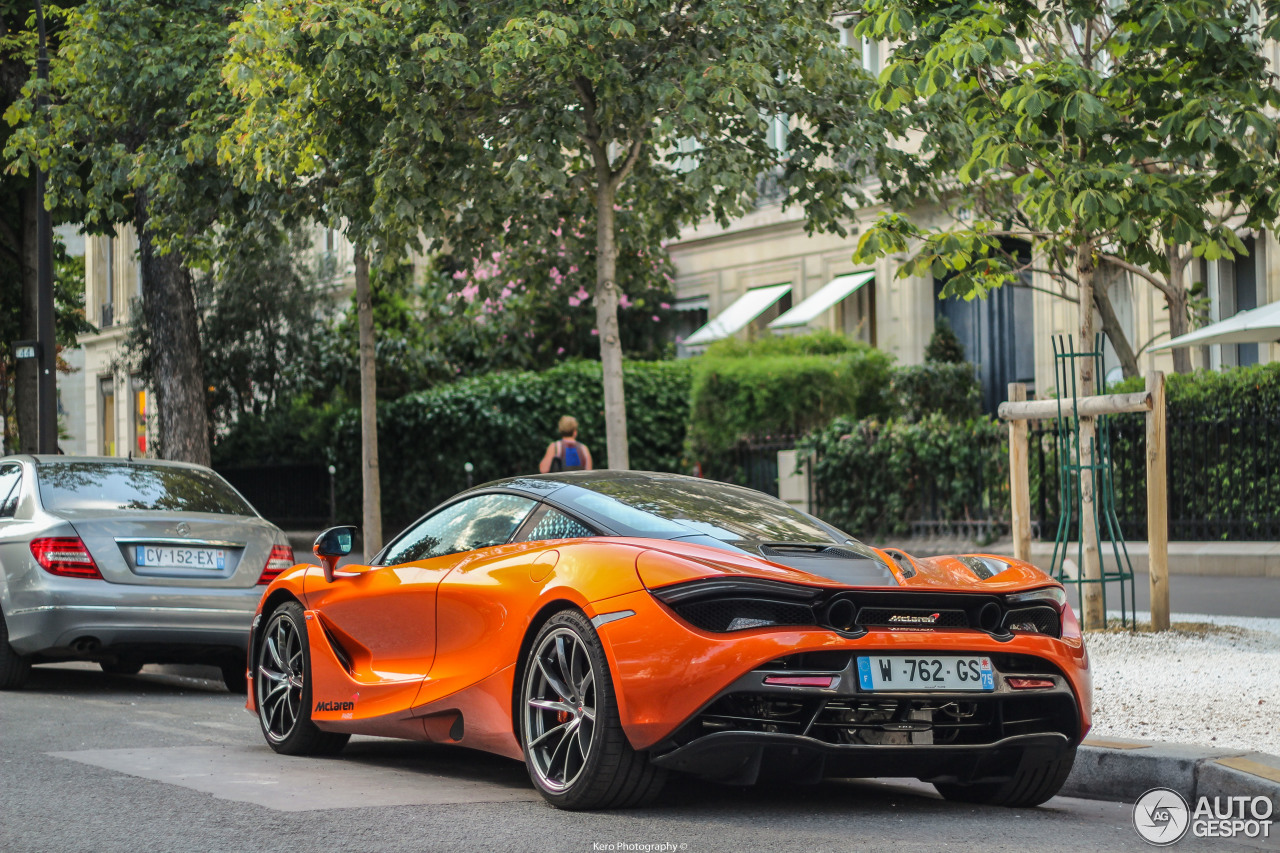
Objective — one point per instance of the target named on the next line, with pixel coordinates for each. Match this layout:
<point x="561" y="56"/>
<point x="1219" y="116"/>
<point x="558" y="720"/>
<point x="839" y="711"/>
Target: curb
<point x="1122" y="770"/>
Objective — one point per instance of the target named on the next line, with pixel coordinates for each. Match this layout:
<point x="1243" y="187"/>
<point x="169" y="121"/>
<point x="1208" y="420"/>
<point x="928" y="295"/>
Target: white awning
<point x="830" y="294"/>
<point x="745" y="308"/>
<point x="1257" y="325"/>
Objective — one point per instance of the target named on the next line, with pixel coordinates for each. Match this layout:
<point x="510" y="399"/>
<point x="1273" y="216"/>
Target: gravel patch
<point x="1214" y="681"/>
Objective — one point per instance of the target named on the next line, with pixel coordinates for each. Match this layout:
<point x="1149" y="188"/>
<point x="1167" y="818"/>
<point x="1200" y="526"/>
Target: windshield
<point x="135" y="486"/>
<point x="674" y="508"/>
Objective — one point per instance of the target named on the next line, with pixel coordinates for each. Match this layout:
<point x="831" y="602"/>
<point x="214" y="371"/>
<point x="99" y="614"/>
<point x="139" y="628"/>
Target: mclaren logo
<point x="905" y="619"/>
<point x="335" y="706"/>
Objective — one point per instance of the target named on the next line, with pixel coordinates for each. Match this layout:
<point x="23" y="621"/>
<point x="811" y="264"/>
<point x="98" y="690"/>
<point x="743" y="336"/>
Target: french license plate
<point x="171" y="557"/>
<point x="938" y="672"/>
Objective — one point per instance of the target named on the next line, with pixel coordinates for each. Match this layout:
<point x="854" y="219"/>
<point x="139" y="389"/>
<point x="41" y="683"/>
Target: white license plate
<point x="936" y="672"/>
<point x="170" y="557"/>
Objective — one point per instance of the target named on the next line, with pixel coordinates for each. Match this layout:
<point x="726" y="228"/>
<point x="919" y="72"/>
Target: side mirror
<point x="331" y="545"/>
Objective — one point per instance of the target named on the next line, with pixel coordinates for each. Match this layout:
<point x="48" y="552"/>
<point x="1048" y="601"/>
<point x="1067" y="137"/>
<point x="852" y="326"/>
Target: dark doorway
<point x="998" y="336"/>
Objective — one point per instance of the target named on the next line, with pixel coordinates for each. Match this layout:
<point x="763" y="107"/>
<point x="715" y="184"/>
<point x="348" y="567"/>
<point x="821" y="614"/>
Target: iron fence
<point x="753" y="463"/>
<point x="293" y="497"/>
<point x="1223" y="477"/>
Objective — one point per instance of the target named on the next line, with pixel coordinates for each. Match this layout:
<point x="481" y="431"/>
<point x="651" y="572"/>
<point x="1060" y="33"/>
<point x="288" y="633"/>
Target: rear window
<point x="678" y="507"/>
<point x="138" y="486"/>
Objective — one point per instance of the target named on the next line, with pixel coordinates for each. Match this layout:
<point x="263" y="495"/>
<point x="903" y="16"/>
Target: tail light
<point x="281" y="558"/>
<point x="66" y="556"/>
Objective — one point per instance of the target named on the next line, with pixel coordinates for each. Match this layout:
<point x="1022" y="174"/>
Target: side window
<point x="465" y="526"/>
<point x="556" y="525"/>
<point x="10" y="487"/>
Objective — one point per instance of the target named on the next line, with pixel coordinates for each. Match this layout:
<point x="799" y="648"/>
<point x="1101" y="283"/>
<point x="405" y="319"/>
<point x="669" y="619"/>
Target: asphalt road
<point x="167" y="762"/>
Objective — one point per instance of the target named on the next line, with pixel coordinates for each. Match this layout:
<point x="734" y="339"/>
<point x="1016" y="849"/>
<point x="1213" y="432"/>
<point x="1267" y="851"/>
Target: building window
<point x="107" y="310"/>
<point x="857" y="315"/>
<point x="107" y="415"/>
<point x="1234" y="286"/>
<point x="138" y="394"/>
<point x="690" y="315"/>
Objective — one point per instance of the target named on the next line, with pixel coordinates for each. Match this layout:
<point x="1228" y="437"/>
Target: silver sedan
<point x="128" y="562"/>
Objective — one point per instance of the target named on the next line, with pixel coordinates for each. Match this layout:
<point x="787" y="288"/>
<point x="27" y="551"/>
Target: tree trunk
<point x="368" y="410"/>
<point x="169" y="307"/>
<point x="1112" y="328"/>
<point x="26" y="386"/>
<point x="1091" y="570"/>
<point x="615" y="405"/>
<point x="1177" y="298"/>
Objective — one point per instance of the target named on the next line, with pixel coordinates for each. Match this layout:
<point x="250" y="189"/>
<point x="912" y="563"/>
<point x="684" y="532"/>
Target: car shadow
<point x="453" y="762"/>
<point x="682" y="792"/>
<point x="154" y="679"/>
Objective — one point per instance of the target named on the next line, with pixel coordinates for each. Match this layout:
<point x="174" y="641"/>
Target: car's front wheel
<point x="282" y="687"/>
<point x="1032" y="784"/>
<point x="574" y="746"/>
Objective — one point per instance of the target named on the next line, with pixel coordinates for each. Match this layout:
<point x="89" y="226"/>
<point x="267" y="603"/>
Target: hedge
<point x="875" y="477"/>
<point x="747" y="390"/>
<point x="1224" y="455"/>
<point x="501" y="423"/>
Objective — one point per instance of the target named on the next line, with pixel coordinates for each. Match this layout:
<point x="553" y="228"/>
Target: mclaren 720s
<point x="610" y="627"/>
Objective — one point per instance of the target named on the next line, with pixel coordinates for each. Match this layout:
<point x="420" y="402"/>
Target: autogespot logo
<point x="1161" y="817"/>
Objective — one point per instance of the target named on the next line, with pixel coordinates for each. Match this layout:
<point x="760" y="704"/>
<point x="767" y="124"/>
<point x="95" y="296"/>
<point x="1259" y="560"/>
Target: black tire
<point x="234" y="678"/>
<point x="567" y="708"/>
<point x="14" y="668"/>
<point x="1033" y="783"/>
<point x="121" y="666"/>
<point x="282" y="687"/>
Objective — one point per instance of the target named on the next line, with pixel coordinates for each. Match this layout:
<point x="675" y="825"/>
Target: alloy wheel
<point x="280" y="677"/>
<point x="559" y="709"/>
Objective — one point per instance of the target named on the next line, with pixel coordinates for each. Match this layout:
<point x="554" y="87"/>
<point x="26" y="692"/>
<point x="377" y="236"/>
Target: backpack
<point x="568" y="457"/>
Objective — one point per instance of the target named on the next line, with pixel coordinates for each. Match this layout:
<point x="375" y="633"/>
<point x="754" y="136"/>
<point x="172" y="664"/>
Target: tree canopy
<point x="1138" y="133"/>
<point x="492" y="120"/>
<point x="137" y="107"/>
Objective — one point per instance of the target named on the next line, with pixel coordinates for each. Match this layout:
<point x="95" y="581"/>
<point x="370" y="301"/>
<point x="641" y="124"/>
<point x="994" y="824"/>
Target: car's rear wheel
<point x="233" y="676"/>
<point x="577" y="754"/>
<point x="14" y="668"/>
<point x="282" y="685"/>
<point x="1032" y="784"/>
<point x="121" y="666"/>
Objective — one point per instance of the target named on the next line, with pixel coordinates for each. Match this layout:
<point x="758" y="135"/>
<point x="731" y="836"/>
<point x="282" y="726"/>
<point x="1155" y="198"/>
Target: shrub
<point x="770" y="387"/>
<point x="1224" y="455"/>
<point x="501" y="423"/>
<point x="944" y="347"/>
<point x="949" y="389"/>
<point x="876" y="477"/>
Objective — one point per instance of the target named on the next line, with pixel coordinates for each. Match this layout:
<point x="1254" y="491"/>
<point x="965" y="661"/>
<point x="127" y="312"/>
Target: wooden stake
<point x="1019" y="479"/>
<point x="1157" y="504"/>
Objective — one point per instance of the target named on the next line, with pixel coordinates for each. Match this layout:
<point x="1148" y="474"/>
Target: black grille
<point x="886" y="720"/>
<point x="737" y="614"/>
<point x="1045" y="620"/>
<point x="901" y="617"/>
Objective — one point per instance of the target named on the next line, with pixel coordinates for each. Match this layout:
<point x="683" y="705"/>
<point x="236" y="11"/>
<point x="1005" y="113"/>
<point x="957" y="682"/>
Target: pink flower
<point x="574" y="302"/>
<point x="663" y="305"/>
<point x="623" y="301"/>
<point x="573" y="269"/>
<point x="560" y="351"/>
<point x="595" y="331"/>
<point x="657" y="319"/>
<point x="582" y="294"/>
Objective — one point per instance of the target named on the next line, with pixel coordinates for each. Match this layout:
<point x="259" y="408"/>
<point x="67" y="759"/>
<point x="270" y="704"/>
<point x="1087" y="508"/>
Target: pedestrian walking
<point x="567" y="454"/>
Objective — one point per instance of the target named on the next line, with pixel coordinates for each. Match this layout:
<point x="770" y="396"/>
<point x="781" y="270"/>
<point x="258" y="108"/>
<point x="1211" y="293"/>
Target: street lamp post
<point x="47" y="385"/>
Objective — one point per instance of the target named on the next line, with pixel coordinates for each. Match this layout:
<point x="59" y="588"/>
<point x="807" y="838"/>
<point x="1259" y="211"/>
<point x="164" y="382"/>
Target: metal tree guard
<point x="1070" y="471"/>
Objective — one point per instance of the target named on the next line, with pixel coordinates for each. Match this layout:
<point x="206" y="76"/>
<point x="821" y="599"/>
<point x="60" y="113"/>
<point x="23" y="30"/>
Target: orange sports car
<point x="610" y="627"/>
